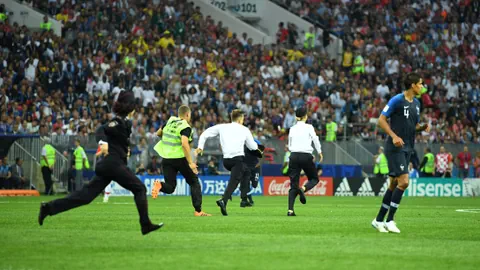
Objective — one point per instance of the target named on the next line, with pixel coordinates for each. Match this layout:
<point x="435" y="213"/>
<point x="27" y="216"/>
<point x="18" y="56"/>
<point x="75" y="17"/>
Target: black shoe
<point x="250" y="199"/>
<point x="223" y="207"/>
<point x="303" y="199"/>
<point x="43" y="213"/>
<point x="244" y="204"/>
<point x="291" y="214"/>
<point x="150" y="228"/>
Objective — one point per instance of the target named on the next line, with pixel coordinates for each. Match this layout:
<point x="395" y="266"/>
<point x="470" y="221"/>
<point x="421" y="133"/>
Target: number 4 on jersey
<point x="406" y="111"/>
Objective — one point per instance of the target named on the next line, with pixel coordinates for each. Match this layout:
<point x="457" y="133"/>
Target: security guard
<point x="113" y="166"/>
<point x="233" y="137"/>
<point x="331" y="128"/>
<point x="381" y="164"/>
<point x="81" y="162"/>
<point x="309" y="42"/>
<point x="3" y="17"/>
<point x="300" y="139"/>
<point x="47" y="162"/>
<point x="174" y="148"/>
<point x="427" y="167"/>
<point x="45" y="25"/>
<point x="358" y="64"/>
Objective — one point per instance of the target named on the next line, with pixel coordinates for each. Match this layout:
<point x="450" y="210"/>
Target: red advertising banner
<point x="279" y="186"/>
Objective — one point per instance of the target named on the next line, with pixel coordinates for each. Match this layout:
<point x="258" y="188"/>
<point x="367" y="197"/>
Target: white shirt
<point x="233" y="138"/>
<point x="116" y="91"/>
<point x="452" y="90"/>
<point x="392" y="66"/>
<point x="148" y="96"/>
<point x="383" y="90"/>
<point x="137" y="91"/>
<point x="300" y="139"/>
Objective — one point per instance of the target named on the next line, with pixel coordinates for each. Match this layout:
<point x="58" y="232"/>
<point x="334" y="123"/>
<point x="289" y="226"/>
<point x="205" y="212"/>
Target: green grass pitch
<point x="328" y="233"/>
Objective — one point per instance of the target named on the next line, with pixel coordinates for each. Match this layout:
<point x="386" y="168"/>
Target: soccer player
<point x="233" y="137"/>
<point x="113" y="166"/>
<point x="252" y="159"/>
<point x="174" y="148"/>
<point x="300" y="139"/>
<point x="404" y="113"/>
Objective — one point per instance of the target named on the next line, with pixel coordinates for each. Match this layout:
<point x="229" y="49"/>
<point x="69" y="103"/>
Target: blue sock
<point x="385" y="205"/>
<point x="395" y="203"/>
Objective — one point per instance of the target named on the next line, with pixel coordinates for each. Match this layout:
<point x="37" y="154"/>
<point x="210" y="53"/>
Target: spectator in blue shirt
<point x="5" y="175"/>
<point x="412" y="172"/>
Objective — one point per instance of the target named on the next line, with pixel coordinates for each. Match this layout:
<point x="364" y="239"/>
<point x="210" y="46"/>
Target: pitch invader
<point x="252" y="159"/>
<point x="300" y="139"/>
<point x="404" y="113"/>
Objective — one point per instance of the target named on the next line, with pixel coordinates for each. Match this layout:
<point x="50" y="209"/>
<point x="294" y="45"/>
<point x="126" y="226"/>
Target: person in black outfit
<point x="300" y="139"/>
<point x="252" y="159"/>
<point x="113" y="166"/>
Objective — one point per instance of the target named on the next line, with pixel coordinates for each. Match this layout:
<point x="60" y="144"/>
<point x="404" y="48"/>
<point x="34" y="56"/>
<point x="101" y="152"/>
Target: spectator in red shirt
<point x="464" y="159"/>
<point x="282" y="34"/>
<point x="476" y="164"/>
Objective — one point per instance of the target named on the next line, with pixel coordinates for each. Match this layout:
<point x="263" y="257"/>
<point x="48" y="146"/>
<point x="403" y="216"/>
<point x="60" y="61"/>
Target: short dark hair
<point x="301" y="112"/>
<point x="182" y="110"/>
<point x="17" y="159"/>
<point x="125" y="103"/>
<point x="236" y="114"/>
<point x="428" y="150"/>
<point x="412" y="78"/>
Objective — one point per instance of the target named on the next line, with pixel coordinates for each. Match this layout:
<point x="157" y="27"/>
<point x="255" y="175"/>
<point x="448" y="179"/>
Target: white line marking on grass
<point x="476" y="211"/>
<point x="20" y="202"/>
<point x="115" y="203"/>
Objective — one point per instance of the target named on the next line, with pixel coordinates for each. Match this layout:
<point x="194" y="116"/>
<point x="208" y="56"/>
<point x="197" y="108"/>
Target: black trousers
<point x="254" y="176"/>
<point x="170" y="168"/>
<point x="239" y="174"/>
<point x="47" y="179"/>
<point x="4" y="183"/>
<point x="297" y="163"/>
<point x="111" y="168"/>
<point x="17" y="183"/>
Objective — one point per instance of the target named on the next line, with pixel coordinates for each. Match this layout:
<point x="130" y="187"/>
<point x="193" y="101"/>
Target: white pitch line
<point x="475" y="211"/>
<point x="5" y="202"/>
<point x="115" y="203"/>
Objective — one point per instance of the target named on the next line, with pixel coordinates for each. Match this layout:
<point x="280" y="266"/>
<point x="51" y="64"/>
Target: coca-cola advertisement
<point x="280" y="185"/>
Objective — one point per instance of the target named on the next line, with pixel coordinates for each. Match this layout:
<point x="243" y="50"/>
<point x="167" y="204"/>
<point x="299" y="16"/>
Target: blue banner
<point x="334" y="171"/>
<point x="211" y="185"/>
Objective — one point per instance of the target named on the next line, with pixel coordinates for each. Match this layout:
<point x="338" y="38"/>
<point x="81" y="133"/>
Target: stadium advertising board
<point x="471" y="187"/>
<point x="211" y="185"/>
<point x="420" y="187"/>
<point x="435" y="187"/>
<point x="279" y="186"/>
<point x="359" y="186"/>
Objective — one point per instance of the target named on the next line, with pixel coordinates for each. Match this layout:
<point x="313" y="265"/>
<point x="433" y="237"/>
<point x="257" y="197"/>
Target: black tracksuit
<point x="112" y="167"/>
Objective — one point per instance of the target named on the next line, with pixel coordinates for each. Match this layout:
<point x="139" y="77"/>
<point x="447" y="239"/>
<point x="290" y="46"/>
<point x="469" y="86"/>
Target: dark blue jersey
<point x="404" y="117"/>
<point x="250" y="158"/>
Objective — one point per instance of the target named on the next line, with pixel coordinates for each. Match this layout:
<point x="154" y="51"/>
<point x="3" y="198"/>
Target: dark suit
<point x="17" y="174"/>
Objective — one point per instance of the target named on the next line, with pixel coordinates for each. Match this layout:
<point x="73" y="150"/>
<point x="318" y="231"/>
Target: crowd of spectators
<point x="440" y="39"/>
<point x="169" y="54"/>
